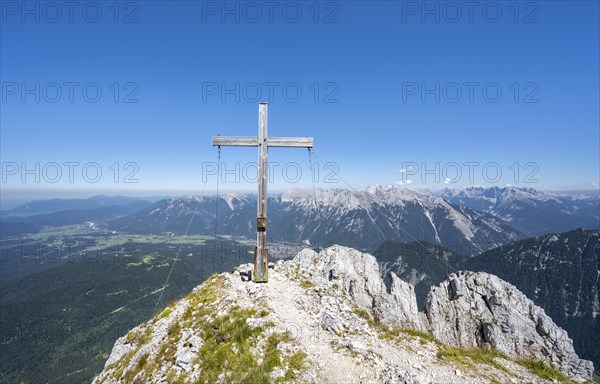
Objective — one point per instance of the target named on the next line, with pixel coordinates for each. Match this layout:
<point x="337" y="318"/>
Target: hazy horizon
<point x="10" y="199"/>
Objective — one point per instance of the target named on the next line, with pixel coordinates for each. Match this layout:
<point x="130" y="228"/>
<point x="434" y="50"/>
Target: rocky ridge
<point x="328" y="318"/>
<point x="479" y="310"/>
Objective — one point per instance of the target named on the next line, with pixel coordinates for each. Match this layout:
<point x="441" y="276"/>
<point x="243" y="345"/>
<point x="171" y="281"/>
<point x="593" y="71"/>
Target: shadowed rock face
<point x="481" y="310"/>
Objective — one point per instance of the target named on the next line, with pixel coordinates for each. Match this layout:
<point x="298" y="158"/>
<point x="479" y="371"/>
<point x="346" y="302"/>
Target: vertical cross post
<point x="261" y="253"/>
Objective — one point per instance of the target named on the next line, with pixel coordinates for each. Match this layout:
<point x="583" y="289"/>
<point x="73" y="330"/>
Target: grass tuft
<point x="306" y="284"/>
<point x="362" y="313"/>
<point x="166" y="313"/>
<point x="543" y="370"/>
<point x="228" y="349"/>
<point x="467" y="357"/>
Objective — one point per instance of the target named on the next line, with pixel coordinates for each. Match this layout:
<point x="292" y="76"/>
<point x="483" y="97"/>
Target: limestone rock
<point x="395" y="375"/>
<point x="331" y="322"/>
<point x="399" y="308"/>
<point x="358" y="274"/>
<point x="187" y="349"/>
<point x="481" y="310"/>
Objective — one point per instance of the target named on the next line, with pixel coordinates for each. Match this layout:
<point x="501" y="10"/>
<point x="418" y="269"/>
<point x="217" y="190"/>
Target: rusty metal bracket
<point x="261" y="224"/>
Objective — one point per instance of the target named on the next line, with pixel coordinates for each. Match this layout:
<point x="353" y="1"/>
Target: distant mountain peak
<point x="529" y="210"/>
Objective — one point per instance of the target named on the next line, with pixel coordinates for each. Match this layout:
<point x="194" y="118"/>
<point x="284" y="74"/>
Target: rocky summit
<point x="329" y="317"/>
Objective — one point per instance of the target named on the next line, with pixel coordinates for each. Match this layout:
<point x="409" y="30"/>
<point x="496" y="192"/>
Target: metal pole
<point x="261" y="254"/>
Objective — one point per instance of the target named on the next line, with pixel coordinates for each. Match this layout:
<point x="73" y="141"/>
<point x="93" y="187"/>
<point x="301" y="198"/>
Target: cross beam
<point x="249" y="141"/>
<point x="263" y="142"/>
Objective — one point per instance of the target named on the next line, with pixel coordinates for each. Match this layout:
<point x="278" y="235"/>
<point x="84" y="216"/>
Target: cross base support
<point x="261" y="266"/>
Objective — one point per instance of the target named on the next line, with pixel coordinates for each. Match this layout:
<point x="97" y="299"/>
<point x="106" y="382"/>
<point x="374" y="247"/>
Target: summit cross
<point x="263" y="142"/>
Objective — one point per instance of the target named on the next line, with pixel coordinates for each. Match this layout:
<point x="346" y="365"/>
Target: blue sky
<point x="369" y="74"/>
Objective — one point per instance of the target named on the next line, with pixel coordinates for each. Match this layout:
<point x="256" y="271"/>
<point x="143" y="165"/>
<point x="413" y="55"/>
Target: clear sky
<point x="464" y="90"/>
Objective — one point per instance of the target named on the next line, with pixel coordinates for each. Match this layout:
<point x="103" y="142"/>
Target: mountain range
<point x="530" y="211"/>
<point x="361" y="219"/>
<point x="466" y="221"/>
<point x="39" y="207"/>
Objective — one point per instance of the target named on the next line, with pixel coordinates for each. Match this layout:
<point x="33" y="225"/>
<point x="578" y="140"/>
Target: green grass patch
<point x="128" y="378"/>
<point x="172" y="376"/>
<point x="543" y="370"/>
<point x="211" y="290"/>
<point x="166" y="313"/>
<point x="263" y="313"/>
<point x="123" y="363"/>
<point x="228" y="348"/>
<point x="467" y="357"/>
<point x="306" y="284"/>
<point x="296" y="363"/>
<point x="138" y="337"/>
<point x="388" y="333"/>
<point x="423" y="336"/>
<point x="228" y="341"/>
<point x="362" y="313"/>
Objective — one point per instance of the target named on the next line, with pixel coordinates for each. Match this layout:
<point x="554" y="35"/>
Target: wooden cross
<point x="263" y="142"/>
